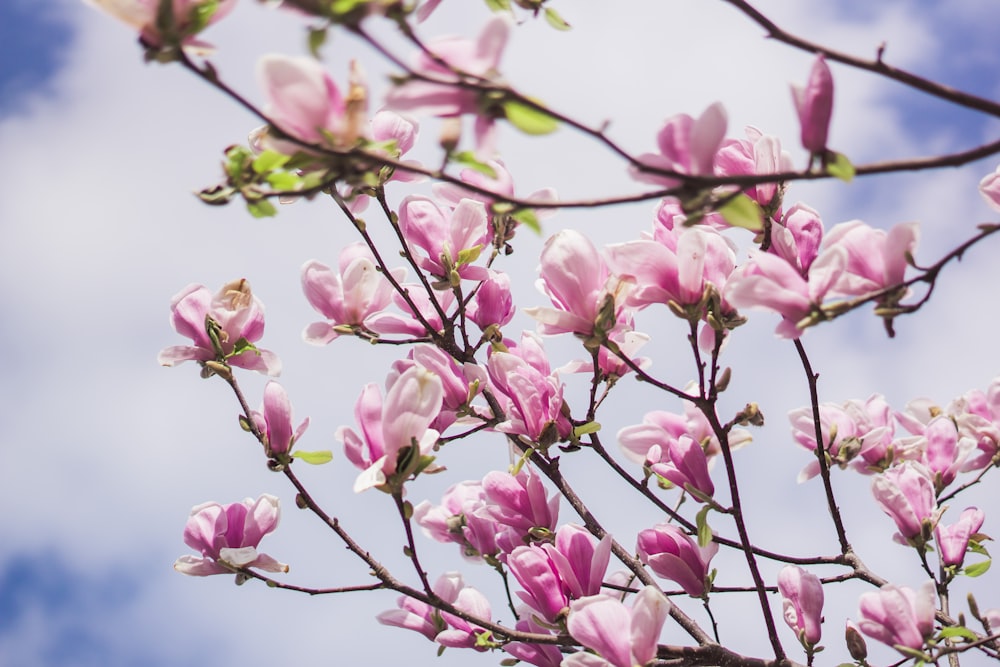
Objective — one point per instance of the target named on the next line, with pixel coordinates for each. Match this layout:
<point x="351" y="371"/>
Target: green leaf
<point x="283" y="181"/>
<point x="201" y="14"/>
<point x="469" y="255"/>
<point x="498" y="5"/>
<point x="341" y="7"/>
<point x="261" y="208"/>
<point x="316" y="458"/>
<point x="528" y="218"/>
<point x="839" y="166"/>
<point x="743" y="212"/>
<point x="269" y="161"/>
<point x="468" y="159"/>
<point x="704" y="530"/>
<point x="556" y="21"/>
<point x="963" y="632"/>
<point x="586" y="429"/>
<point x="977" y="569"/>
<point x="529" y="119"/>
<point x="316" y="40"/>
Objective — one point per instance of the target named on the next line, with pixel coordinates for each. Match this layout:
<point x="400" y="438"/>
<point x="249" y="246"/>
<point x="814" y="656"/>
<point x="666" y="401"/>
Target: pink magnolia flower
<point x="875" y="259"/>
<point x="581" y="559"/>
<point x="944" y="451"/>
<point x="502" y="185"/>
<point x="768" y="281"/>
<point x="226" y="537"/>
<point x="906" y="493"/>
<point x="802" y="600"/>
<point x="682" y="462"/>
<point x="989" y="188"/>
<point x="347" y="298"/>
<point x="520" y="505"/>
<point x="461" y="382"/>
<point x="534" y="395"/>
<point x="814" y="104"/>
<point x="660" y="426"/>
<point x="463" y="517"/>
<point x="953" y="540"/>
<point x="543" y="590"/>
<point x="450" y="240"/>
<point x="898" y="616"/>
<point x="433" y="90"/>
<point x="677" y="267"/>
<point x="493" y="304"/>
<point x="439" y="626"/>
<point x="759" y="154"/>
<point x="622" y="637"/>
<point x="240" y="318"/>
<point x="797" y="237"/>
<point x="188" y="15"/>
<point x="687" y="146"/>
<point x="671" y="554"/>
<point x="275" y="421"/>
<point x="977" y="414"/>
<point x="391" y="426"/>
<point x="304" y="103"/>
<point x="540" y="655"/>
<point x="838" y="430"/>
<point x="577" y="280"/>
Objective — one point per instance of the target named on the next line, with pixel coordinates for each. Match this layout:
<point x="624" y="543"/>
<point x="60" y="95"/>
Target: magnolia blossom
<point x="898" y="616"/>
<point x="450" y="240"/>
<point x="460" y="382"/>
<point x="388" y="427"/>
<point x="440" y="626"/>
<point x="492" y="305"/>
<point x="622" y="637"/>
<point x="463" y="517"/>
<point x="577" y="280"/>
<point x="875" y="259"/>
<point x="240" y="319"/>
<point x="347" y="298"/>
<point x="540" y="655"/>
<point x="797" y="237"/>
<point x="687" y="146"/>
<point x="275" y="421"/>
<point x="802" y="601"/>
<point x="519" y="503"/>
<point x="814" y="104"/>
<point x="953" y="540"/>
<point x="534" y="395"/>
<point x="435" y="92"/>
<point x="906" y="493"/>
<point x="189" y="17"/>
<point x="759" y="154"/>
<point x="672" y="554"/>
<point x="226" y="537"/>
<point x="989" y="188"/>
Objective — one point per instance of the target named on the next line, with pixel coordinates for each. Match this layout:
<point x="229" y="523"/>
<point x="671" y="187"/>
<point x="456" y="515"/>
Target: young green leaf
<point x="840" y="167"/>
<point x="741" y="211"/>
<point x="261" y="208"/>
<point x="316" y="458"/>
<point x="528" y="119"/>
<point x="468" y="159"/>
<point x="977" y="569"/>
<point x="556" y="21"/>
<point x="528" y="218"/>
<point x="704" y="530"/>
<point x="269" y="161"/>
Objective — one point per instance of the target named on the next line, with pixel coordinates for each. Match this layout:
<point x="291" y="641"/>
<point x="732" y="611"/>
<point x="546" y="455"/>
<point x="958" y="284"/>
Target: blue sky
<point x="104" y="452"/>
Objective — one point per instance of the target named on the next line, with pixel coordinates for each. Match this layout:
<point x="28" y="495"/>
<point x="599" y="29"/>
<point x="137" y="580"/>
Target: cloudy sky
<point x="105" y="452"/>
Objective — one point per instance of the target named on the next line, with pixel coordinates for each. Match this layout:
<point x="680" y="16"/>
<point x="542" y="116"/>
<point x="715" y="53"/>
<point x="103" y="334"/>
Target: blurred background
<point x="104" y="452"/>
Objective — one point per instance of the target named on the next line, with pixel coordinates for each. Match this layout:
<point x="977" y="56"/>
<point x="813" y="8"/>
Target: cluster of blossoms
<point x="441" y="390"/>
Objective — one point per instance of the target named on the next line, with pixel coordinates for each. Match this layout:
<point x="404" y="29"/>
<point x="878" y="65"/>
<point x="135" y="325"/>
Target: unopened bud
<point x="451" y="134"/>
<point x="856" y="645"/>
<point x="722" y="383"/>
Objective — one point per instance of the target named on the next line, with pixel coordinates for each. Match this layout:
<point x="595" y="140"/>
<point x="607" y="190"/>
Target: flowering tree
<point x="723" y="241"/>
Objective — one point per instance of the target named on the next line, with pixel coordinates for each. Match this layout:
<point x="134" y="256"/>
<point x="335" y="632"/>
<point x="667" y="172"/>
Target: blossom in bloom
<point x="802" y="601"/>
<point x="797" y="237"/>
<point x="906" y="493"/>
<point x="543" y="590"/>
<point x="540" y="655"/>
<point x="672" y="554"/>
<point x="531" y="393"/>
<point x="492" y="305"/>
<point x="875" y="259"/>
<point x="388" y="427"/>
<point x="460" y="382"/>
<point x="189" y="17"/>
<point x="520" y="505"/>
<point x="898" y="615"/>
<point x="687" y="146"/>
<point x="577" y="280"/>
<point x="757" y="155"/>
<point x="989" y="188"/>
<point x="240" y="319"/>
<point x="463" y="517"/>
<point x="953" y="540"/>
<point x="621" y="636"/>
<point x="814" y="104"/>
<point x="274" y="420"/>
<point x="436" y="92"/>
<point x="226" y="537"/>
<point x="450" y="240"/>
<point x="347" y="298"/>
<point x="440" y="626"/>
